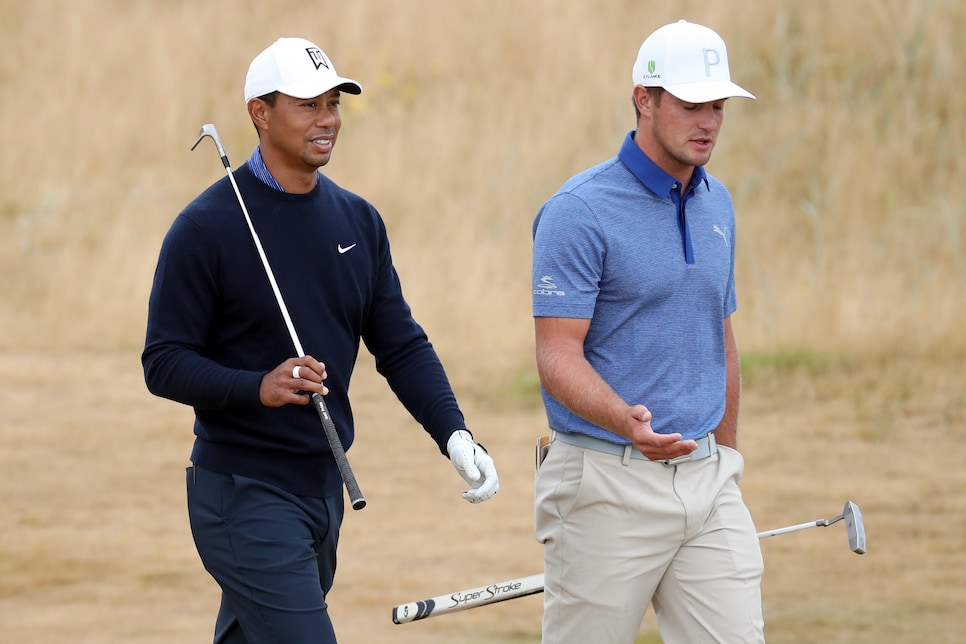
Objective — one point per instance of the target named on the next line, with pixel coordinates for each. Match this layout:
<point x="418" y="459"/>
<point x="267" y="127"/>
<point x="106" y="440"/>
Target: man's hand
<point x="474" y="465"/>
<point x="284" y="385"/>
<point x="657" y="447"/>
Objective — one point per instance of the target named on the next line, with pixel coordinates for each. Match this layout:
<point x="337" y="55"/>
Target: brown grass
<point x="848" y="178"/>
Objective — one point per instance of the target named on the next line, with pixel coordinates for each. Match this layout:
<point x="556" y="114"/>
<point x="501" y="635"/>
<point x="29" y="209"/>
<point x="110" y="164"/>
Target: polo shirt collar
<point x="656" y="180"/>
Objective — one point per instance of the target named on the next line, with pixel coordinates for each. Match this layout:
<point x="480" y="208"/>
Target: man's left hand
<point x="474" y="465"/>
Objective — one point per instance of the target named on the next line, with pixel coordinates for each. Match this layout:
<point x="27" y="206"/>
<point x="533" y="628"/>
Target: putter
<point x="532" y="585"/>
<point x="853" y="526"/>
<point x="335" y="443"/>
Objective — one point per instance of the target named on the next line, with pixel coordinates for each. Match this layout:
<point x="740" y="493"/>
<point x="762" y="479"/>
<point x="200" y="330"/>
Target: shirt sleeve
<point x="568" y="257"/>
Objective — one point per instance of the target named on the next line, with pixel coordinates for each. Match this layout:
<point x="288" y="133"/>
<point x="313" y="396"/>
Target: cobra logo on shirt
<point x="546" y="286"/>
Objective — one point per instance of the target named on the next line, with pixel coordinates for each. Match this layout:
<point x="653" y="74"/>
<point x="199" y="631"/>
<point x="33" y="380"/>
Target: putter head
<point x="855" y="527"/>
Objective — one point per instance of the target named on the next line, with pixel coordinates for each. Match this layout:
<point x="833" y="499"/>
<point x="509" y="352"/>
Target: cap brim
<point x="311" y="90"/>
<point x="707" y="92"/>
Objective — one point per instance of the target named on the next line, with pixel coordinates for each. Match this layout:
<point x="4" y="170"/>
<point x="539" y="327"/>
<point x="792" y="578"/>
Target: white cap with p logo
<point x="689" y="61"/>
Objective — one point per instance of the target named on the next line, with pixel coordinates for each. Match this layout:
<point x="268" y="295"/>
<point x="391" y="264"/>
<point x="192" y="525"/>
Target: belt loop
<point x="626" y="460"/>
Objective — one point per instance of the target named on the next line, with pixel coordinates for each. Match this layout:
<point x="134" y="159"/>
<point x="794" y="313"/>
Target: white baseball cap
<point x="296" y="67"/>
<point x="689" y="61"/>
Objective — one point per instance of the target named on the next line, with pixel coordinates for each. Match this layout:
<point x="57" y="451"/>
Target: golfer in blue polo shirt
<point x="637" y="501"/>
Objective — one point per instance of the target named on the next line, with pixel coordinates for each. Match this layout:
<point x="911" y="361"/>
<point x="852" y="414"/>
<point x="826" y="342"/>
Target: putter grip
<point x="335" y="443"/>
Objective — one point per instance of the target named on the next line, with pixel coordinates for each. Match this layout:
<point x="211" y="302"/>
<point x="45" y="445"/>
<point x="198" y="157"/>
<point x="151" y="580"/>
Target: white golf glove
<point x="474" y="465"/>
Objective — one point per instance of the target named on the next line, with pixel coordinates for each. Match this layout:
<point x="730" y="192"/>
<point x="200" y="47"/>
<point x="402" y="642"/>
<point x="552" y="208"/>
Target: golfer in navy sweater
<point x="265" y="496"/>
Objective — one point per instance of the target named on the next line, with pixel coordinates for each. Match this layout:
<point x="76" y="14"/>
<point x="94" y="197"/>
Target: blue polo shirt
<point x="654" y="273"/>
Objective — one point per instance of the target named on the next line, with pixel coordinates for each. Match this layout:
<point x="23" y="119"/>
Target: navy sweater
<point x="214" y="327"/>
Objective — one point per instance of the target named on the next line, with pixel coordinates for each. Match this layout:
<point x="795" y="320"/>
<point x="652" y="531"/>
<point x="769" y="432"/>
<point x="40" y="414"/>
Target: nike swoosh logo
<point x="346" y="249"/>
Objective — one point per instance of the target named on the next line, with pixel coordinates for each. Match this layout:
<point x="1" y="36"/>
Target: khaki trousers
<point x="619" y="535"/>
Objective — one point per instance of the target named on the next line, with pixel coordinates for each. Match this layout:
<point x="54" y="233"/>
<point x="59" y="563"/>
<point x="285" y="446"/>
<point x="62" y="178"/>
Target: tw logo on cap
<point x="317" y="57"/>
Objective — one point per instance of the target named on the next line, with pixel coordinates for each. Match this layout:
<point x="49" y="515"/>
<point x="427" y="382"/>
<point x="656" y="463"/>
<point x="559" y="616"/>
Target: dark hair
<point x="269" y="98"/>
<point x="656" y="92"/>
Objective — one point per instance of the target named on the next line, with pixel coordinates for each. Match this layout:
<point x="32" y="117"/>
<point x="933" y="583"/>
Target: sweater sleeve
<point x="405" y="357"/>
<point x="181" y="311"/>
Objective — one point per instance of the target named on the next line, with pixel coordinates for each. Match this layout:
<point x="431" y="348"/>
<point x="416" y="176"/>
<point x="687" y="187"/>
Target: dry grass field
<point x="847" y="173"/>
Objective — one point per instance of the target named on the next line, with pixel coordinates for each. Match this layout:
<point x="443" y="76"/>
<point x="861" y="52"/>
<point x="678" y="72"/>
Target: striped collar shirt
<point x="257" y="165"/>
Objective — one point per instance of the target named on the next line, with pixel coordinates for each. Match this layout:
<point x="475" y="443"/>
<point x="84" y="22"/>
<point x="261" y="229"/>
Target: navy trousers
<point x="272" y="553"/>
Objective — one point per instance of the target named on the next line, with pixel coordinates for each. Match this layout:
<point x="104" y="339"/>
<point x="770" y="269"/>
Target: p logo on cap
<point x="711" y="58"/>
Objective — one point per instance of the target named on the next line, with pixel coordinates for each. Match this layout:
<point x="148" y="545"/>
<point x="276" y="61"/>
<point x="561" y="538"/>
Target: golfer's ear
<point x="642" y="99"/>
<point x="258" y="111"/>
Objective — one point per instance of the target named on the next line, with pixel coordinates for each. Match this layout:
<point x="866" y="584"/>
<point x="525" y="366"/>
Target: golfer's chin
<point x="317" y="158"/>
<point x="699" y="155"/>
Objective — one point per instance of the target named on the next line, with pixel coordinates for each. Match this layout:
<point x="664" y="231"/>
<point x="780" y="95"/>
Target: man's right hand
<point x="657" y="447"/>
<point x="280" y="386"/>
